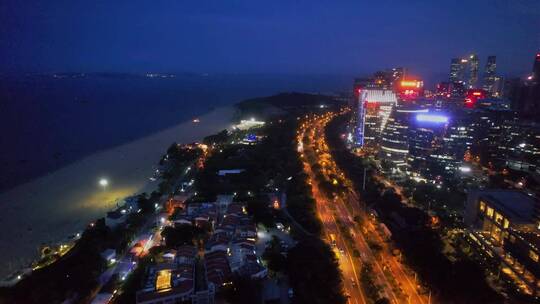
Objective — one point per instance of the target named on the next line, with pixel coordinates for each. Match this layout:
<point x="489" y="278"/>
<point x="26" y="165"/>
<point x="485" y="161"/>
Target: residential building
<point x="505" y="225"/>
<point x="167" y="283"/>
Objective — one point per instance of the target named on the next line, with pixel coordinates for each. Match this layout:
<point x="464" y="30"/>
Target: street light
<point x="103" y="182"/>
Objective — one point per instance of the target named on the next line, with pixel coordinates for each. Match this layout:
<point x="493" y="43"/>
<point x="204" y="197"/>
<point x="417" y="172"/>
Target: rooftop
<point x="380" y="96"/>
<point x="518" y="206"/>
<point x="187" y="251"/>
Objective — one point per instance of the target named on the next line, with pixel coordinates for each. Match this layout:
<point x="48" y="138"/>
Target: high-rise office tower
<point x="473" y="71"/>
<point x="373" y="109"/>
<point x="457" y="66"/>
<point x="490" y="75"/>
<point x="536" y="68"/>
<point x="394" y="140"/>
<point x="387" y="78"/>
<point x="361" y="120"/>
<point x="525" y="94"/>
<point x="532" y="105"/>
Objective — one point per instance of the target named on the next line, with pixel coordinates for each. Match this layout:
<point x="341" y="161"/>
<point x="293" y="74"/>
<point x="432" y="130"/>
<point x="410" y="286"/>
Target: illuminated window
<point x="498" y="218"/>
<point x="482" y="206"/>
<point x="489" y="212"/>
<point x="163" y="280"/>
<point x="506" y="223"/>
<point x="533" y="255"/>
<point x="496" y="233"/>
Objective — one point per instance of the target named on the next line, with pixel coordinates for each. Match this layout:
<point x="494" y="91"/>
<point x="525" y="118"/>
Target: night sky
<point x="303" y="37"/>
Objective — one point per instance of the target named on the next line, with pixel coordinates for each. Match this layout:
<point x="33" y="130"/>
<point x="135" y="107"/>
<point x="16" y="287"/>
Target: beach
<point x="52" y="207"/>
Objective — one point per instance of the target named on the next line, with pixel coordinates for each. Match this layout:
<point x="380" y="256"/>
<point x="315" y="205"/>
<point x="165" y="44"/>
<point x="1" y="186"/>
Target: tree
<point x="145" y="204"/>
<point x="368" y="284"/>
<point x="244" y="290"/>
<point x="218" y="138"/>
<point x="258" y="208"/>
<point x="383" y="301"/>
<point x="273" y="257"/>
<point x="182" y="235"/>
<point x="313" y="272"/>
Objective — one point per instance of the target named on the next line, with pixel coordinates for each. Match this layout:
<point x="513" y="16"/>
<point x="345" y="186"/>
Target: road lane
<point x="396" y="280"/>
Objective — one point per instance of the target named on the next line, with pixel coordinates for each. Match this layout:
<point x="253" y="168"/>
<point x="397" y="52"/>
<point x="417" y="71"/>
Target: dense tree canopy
<point x="314" y="273"/>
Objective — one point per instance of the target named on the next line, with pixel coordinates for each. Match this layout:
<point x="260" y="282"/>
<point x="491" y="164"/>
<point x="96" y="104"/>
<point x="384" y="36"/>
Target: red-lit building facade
<point x="409" y="89"/>
<point x="473" y="95"/>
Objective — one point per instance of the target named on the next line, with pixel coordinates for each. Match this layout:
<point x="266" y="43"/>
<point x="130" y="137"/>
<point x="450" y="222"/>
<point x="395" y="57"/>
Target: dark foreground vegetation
<point x="461" y="281"/>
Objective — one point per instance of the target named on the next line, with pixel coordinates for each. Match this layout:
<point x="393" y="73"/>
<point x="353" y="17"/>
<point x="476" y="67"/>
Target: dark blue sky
<point x="265" y="36"/>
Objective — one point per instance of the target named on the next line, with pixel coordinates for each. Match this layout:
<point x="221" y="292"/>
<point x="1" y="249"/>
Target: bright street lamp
<point x="103" y="182"/>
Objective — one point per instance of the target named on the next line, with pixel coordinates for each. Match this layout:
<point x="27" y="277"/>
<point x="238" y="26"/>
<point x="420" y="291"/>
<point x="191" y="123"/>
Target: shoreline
<point x="66" y="163"/>
<point x="70" y="197"/>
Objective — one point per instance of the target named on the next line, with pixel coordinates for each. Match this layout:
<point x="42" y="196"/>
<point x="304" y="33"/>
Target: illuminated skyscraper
<point x="361" y="119"/>
<point x="473" y="71"/>
<point x="386" y="79"/>
<point x="533" y="100"/>
<point x="498" y="86"/>
<point x="536" y="68"/>
<point x="373" y="109"/>
<point x="525" y="93"/>
<point x="457" y="68"/>
<point x="490" y="75"/>
<point x="394" y="139"/>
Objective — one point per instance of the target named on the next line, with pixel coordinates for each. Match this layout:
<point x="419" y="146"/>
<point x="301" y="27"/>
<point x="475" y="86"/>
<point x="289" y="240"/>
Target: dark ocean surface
<point x="47" y="123"/>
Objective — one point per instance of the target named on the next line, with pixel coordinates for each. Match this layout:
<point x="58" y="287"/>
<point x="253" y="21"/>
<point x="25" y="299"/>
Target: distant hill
<point x="263" y="107"/>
